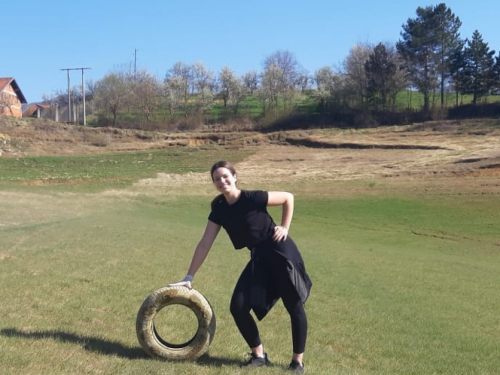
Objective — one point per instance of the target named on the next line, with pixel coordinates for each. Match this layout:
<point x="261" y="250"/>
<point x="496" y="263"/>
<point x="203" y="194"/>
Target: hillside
<point x="427" y="150"/>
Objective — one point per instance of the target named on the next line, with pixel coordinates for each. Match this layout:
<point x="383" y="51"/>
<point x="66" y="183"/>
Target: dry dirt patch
<point x="369" y="154"/>
<point x="428" y="150"/>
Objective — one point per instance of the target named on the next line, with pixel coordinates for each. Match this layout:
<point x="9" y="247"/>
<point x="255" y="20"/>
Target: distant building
<point x="36" y="110"/>
<point x="11" y="98"/>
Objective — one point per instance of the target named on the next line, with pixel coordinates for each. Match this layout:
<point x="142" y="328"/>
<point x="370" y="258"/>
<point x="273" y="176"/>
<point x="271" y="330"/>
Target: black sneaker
<point x="255" y="361"/>
<point x="296" y="368"/>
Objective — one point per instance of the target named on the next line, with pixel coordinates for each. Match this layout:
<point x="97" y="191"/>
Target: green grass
<point x="109" y="170"/>
<point x="402" y="284"/>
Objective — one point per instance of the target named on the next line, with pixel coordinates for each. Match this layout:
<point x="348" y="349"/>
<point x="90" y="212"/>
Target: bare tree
<point x="273" y="83"/>
<point x="354" y="69"/>
<point x="204" y="85"/>
<point x="251" y="81"/>
<point x="303" y="80"/>
<point x="286" y="61"/>
<point x="226" y="76"/>
<point x="330" y="88"/>
<point x="113" y="93"/>
<point x="174" y="89"/>
<point x="237" y="93"/>
<point x="232" y="90"/>
<point x="290" y="69"/>
<point x="324" y="79"/>
<point x="177" y="84"/>
<point x="146" y="94"/>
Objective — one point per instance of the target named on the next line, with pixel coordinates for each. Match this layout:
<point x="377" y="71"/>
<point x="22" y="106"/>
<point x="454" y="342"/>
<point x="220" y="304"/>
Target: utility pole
<point x="83" y="95"/>
<point x="135" y="64"/>
<point x="69" y="97"/>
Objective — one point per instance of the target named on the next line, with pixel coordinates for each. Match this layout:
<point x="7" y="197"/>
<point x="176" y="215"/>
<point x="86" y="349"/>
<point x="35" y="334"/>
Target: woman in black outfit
<point x="276" y="269"/>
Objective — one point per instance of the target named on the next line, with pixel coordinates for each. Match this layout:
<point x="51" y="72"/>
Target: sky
<point x="43" y="37"/>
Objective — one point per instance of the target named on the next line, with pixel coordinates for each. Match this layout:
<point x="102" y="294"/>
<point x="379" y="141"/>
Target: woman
<point x="276" y="269"/>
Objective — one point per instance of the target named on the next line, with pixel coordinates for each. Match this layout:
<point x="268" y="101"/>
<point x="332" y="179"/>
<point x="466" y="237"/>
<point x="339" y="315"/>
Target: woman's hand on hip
<point x="280" y="233"/>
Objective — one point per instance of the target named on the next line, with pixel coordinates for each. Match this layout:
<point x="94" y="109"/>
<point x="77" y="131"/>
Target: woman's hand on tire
<point x="185" y="282"/>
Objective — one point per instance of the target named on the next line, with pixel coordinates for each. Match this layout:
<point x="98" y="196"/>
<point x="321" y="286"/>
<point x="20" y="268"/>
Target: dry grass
<point x="413" y="153"/>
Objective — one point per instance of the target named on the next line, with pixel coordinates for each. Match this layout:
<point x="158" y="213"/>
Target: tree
<point x="204" y="84"/>
<point x="146" y="93"/>
<point x="273" y="83"/>
<point x="331" y="89"/>
<point x="231" y="89"/>
<point x="418" y="49"/>
<point x="226" y="79"/>
<point x="478" y="67"/>
<point x="178" y="82"/>
<point x="289" y="68"/>
<point x="237" y="93"/>
<point x="446" y="26"/>
<point x="174" y="91"/>
<point x="251" y="81"/>
<point x="112" y="93"/>
<point x="384" y="74"/>
<point x="457" y="66"/>
<point x="324" y="78"/>
<point x="286" y="61"/>
<point x="303" y="80"/>
<point x="496" y="74"/>
<point x="354" y="69"/>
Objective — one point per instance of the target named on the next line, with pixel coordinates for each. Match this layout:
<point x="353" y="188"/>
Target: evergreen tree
<point x="448" y="42"/>
<point x="478" y="68"/>
<point x="457" y="69"/>
<point x="496" y="73"/>
<point x="427" y="44"/>
<point x="381" y="70"/>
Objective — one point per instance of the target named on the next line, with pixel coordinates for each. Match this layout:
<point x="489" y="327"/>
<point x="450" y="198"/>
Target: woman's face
<point x="224" y="180"/>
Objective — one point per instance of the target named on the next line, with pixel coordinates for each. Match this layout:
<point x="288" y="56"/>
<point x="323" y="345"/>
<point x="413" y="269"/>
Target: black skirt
<point x="270" y="260"/>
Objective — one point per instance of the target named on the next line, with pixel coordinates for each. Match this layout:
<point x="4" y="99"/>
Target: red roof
<point x="32" y="108"/>
<point x="5" y="82"/>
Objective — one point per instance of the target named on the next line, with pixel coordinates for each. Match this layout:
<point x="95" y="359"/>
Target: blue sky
<point x="40" y="38"/>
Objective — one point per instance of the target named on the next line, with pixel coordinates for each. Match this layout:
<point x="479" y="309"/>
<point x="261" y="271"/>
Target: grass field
<point x="405" y="268"/>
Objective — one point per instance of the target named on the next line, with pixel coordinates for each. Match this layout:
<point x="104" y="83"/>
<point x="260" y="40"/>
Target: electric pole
<point x="135" y="64"/>
<point x="83" y="95"/>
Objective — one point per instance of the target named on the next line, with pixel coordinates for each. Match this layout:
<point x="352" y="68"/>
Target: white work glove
<point x="185" y="282"/>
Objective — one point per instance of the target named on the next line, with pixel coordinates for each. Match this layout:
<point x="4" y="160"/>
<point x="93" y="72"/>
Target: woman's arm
<point x="203" y="247"/>
<point x="200" y="253"/>
<point x="285" y="199"/>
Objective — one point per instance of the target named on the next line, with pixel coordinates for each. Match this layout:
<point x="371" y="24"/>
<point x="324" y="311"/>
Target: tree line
<point x="430" y="58"/>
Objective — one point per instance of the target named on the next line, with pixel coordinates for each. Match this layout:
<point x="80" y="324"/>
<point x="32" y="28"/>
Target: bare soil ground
<point x="462" y="150"/>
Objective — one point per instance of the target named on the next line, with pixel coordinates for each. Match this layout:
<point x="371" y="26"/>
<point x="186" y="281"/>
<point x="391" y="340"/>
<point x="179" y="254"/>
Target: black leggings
<point x="240" y="305"/>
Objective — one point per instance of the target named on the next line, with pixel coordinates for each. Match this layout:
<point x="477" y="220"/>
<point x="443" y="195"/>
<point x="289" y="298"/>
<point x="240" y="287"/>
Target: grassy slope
<point x="404" y="279"/>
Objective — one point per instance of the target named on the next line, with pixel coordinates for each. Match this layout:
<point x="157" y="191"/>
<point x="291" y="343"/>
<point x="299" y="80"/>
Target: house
<point x="11" y="98"/>
<point x="35" y="110"/>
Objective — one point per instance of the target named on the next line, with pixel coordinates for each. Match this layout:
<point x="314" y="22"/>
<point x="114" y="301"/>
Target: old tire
<point x="157" y="347"/>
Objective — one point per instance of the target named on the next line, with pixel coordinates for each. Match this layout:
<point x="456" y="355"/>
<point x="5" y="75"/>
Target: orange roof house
<point x="35" y="110"/>
<point x="11" y="98"/>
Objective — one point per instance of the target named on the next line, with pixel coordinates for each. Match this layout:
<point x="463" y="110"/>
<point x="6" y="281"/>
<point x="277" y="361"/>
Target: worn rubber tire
<point x="154" y="345"/>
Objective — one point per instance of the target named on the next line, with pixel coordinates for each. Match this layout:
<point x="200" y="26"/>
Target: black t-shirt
<point x="246" y="221"/>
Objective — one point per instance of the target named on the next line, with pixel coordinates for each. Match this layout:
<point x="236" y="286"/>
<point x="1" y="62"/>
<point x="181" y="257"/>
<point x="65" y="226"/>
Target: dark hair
<point x="220" y="164"/>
